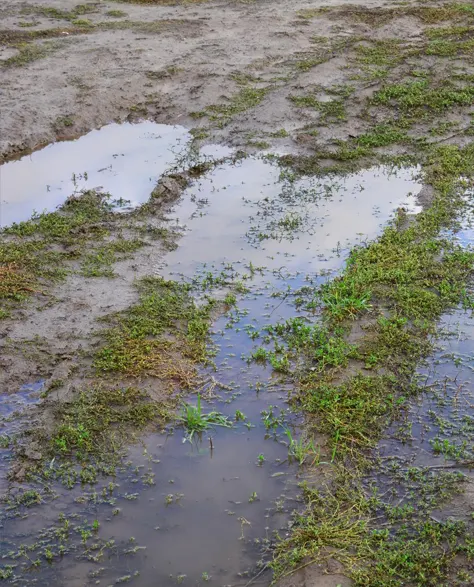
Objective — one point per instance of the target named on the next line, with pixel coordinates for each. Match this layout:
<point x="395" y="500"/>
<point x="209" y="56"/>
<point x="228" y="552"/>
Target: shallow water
<point x="436" y="434"/>
<point x="122" y="159"/>
<point x="205" y="515"/>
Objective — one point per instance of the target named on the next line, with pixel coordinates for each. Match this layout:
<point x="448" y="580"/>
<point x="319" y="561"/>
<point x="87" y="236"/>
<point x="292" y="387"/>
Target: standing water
<point x="204" y="512"/>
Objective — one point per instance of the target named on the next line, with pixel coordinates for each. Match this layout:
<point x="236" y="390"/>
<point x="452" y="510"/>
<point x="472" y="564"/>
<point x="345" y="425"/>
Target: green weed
<point x="196" y="421"/>
<point x="301" y="449"/>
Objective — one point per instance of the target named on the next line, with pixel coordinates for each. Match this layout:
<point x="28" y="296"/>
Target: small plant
<point x="260" y="355"/>
<point x="230" y="299"/>
<point x="4" y="441"/>
<point x="205" y="576"/>
<point x="194" y="420"/>
<point x="240" y="416"/>
<point x="253" y="497"/>
<point x="299" y="449"/>
<point x="48" y="555"/>
<point x="260" y="459"/>
<point x="270" y="420"/>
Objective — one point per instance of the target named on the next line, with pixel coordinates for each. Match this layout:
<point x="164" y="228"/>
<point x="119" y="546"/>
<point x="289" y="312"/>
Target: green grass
<point x="301" y="449"/>
<point x="395" y="288"/>
<point x="162" y="335"/>
<point x="422" y="96"/>
<point x="196" y="421"/>
<point x="245" y="99"/>
<point x="79" y="214"/>
<point x="34" y="254"/>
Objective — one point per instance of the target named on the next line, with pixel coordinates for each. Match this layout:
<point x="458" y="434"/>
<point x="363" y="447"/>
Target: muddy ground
<point x="167" y="62"/>
<point x="300" y="78"/>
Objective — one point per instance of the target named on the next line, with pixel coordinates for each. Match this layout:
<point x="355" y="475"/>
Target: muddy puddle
<point x="122" y="159"/>
<point x="203" y="512"/>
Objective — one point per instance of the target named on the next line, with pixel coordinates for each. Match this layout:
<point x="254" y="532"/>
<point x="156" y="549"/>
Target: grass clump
<point x="116" y="13"/>
<point x="196" y="421"/>
<point x="160" y="336"/>
<point x="79" y="215"/>
<point x="420" y="96"/>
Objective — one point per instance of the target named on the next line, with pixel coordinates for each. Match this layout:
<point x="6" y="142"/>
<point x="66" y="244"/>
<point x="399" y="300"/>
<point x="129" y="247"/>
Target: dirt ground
<point x="166" y="62"/>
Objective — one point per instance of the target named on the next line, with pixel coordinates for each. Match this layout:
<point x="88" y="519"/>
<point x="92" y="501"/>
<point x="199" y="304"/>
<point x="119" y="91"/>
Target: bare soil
<point x="166" y="62"/>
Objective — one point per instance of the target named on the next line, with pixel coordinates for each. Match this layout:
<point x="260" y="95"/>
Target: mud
<point x="166" y="62"/>
<point x="204" y="80"/>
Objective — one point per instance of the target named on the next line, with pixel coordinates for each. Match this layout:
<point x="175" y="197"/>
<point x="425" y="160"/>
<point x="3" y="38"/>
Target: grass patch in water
<point x="85" y="424"/>
<point x="196" y="421"/>
<point x="416" y="550"/>
<point x="90" y="432"/>
<point x="398" y="286"/>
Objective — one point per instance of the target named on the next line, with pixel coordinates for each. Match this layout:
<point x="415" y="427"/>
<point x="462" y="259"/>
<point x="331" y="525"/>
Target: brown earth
<point x="166" y="62"/>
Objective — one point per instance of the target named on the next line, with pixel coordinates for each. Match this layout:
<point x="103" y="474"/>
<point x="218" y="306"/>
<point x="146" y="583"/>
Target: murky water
<point x="185" y="513"/>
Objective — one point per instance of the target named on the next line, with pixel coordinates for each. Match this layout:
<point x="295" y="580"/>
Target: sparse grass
<point x="280" y="134"/>
<point x="84" y="235"/>
<point x="34" y="253"/>
<point x="245" y="99"/>
<point x="163" y="2"/>
<point x="28" y="52"/>
<point x="331" y="111"/>
<point x="58" y="14"/>
<point x="100" y="262"/>
<point x="116" y="13"/>
<point x="400" y="284"/>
